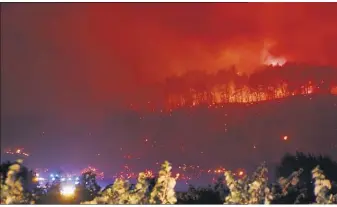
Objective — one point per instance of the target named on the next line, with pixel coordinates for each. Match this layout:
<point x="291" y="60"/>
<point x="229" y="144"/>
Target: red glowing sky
<point x="65" y="66"/>
<point x="103" y="50"/>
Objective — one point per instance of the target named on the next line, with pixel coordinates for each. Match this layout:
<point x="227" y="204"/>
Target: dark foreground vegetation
<point x="303" y="179"/>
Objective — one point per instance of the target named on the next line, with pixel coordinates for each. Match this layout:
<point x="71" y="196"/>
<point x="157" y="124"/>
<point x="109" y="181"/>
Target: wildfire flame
<point x="18" y="151"/>
<point x="222" y="94"/>
<point x="99" y="175"/>
<point x="275" y="80"/>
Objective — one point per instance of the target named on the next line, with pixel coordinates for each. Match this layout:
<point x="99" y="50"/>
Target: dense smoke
<point x="97" y="52"/>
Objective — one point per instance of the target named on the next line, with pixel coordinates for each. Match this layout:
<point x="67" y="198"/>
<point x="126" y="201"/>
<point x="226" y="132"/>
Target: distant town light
<point x="67" y="190"/>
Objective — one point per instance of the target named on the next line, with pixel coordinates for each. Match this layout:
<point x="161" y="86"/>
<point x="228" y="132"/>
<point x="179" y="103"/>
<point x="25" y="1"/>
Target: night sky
<point x="70" y="71"/>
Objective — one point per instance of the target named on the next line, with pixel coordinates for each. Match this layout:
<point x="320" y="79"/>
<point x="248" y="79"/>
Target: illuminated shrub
<point x="11" y="189"/>
<point x="322" y="188"/>
<point x="242" y="190"/>
<point x="121" y="193"/>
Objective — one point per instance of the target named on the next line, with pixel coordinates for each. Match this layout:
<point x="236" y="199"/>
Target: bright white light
<point x="67" y="190"/>
<point x="77" y="178"/>
<point x="53" y="179"/>
<point x="69" y="178"/>
<point x="63" y="179"/>
<point x="37" y="174"/>
<point x="51" y="175"/>
<point x="76" y="183"/>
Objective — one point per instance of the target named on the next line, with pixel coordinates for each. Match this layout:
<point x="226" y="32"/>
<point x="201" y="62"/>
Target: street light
<point x="67" y="190"/>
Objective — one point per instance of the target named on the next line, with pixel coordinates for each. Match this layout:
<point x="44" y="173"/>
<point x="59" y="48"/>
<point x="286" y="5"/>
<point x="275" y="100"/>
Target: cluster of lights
<point x="67" y="187"/>
<point x="68" y="179"/>
<point x="183" y="172"/>
<point x="38" y="178"/>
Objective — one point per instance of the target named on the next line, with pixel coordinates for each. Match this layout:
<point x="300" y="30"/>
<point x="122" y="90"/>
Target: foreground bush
<point x="122" y="193"/>
<point x="246" y="190"/>
<point x="322" y="188"/>
<point x="11" y="188"/>
<point x="212" y="194"/>
<point x="293" y="162"/>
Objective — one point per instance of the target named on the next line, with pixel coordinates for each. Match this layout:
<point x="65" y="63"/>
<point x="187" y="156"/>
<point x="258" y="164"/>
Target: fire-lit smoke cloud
<point x="104" y="51"/>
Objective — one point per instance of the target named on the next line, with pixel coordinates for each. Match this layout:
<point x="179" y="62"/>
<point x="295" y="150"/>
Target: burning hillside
<point x="233" y="87"/>
<point x="272" y="81"/>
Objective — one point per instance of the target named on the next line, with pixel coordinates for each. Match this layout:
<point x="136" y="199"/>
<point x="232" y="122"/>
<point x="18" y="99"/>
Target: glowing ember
<point x="149" y="174"/>
<point x="285" y="138"/>
<point x="177" y="176"/>
<point x="334" y="90"/>
<point x="99" y="175"/>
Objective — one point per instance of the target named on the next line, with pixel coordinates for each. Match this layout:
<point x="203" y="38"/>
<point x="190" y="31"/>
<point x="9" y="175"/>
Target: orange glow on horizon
<point x="222" y="94"/>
